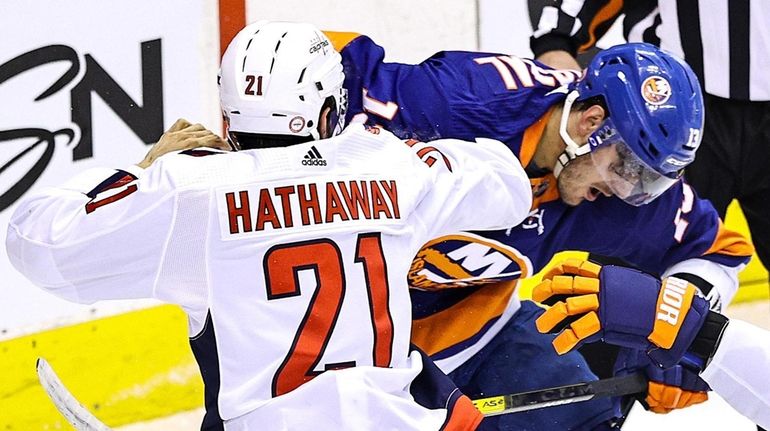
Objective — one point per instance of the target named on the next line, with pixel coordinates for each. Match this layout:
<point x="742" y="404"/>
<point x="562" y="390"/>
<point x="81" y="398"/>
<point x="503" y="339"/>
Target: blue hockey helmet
<point x="655" y="112"/>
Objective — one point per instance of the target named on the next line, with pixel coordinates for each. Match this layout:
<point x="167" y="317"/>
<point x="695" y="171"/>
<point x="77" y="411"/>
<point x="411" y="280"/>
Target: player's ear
<point x="324" y="123"/>
<point x="590" y="120"/>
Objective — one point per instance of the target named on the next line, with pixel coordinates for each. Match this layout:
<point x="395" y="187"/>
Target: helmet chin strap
<point x="572" y="149"/>
<point x="315" y="133"/>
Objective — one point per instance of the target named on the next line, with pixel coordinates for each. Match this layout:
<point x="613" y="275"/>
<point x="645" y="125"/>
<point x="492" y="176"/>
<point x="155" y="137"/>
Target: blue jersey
<point x="451" y="94"/>
<point x="470" y="94"/>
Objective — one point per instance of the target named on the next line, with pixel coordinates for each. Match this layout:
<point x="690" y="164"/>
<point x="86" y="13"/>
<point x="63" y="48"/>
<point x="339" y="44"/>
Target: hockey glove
<point x="621" y="306"/>
<point x="671" y="388"/>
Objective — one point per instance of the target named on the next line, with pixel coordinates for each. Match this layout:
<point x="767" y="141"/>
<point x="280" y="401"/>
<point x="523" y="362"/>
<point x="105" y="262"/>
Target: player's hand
<point x="670" y="388"/>
<point x="559" y="59"/>
<point x="621" y="306"/>
<point x="183" y="136"/>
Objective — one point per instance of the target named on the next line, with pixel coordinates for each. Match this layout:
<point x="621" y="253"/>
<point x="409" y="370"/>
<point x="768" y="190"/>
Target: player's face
<point x="582" y="178"/>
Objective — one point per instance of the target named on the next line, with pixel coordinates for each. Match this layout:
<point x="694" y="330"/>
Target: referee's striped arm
<point x="575" y="25"/>
<point x="725" y="41"/>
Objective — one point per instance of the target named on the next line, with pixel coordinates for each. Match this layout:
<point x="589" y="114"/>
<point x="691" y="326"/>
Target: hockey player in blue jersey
<point x="604" y="154"/>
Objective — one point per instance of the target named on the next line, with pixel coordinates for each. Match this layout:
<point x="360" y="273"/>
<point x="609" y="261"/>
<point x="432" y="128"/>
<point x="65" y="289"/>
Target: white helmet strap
<point x="315" y="134"/>
<point x="572" y="150"/>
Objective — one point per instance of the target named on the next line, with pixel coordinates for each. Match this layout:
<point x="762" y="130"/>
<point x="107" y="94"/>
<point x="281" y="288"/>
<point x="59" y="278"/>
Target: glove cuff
<point x="706" y="342"/>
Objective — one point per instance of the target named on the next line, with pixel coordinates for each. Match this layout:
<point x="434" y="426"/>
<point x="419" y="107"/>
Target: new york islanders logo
<point x="656" y="90"/>
<point x="466" y="260"/>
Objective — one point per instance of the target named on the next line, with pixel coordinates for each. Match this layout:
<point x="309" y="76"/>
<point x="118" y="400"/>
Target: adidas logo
<point x="313" y="158"/>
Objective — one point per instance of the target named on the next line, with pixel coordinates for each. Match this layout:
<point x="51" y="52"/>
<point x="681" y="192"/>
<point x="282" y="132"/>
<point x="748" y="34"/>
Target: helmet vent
<point x="301" y="75"/>
<point x="275" y="114"/>
<point x="319" y="86"/>
<point x="272" y="63"/>
<point x="279" y="41"/>
<point x="616" y="60"/>
<point x="250" y="40"/>
<point x="663" y="129"/>
<point x="653" y="151"/>
<point x="302" y="97"/>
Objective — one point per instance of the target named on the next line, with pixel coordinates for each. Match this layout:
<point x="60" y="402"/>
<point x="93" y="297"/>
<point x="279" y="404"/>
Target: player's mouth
<point x="592" y="194"/>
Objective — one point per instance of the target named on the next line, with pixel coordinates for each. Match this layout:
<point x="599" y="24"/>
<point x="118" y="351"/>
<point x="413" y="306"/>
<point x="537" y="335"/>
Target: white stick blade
<point x="65" y="402"/>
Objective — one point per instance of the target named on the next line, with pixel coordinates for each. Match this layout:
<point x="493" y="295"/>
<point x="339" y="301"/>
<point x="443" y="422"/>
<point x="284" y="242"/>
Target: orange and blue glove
<point x="620" y="306"/>
<point x="670" y="388"/>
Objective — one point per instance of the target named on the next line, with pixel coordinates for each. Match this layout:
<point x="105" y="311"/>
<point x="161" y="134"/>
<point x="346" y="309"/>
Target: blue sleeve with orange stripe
<point x="453" y="94"/>
<point x="679" y="226"/>
<point x="675" y="227"/>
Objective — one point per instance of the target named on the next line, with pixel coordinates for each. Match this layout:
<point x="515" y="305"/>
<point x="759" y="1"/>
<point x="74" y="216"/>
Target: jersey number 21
<point x="281" y="264"/>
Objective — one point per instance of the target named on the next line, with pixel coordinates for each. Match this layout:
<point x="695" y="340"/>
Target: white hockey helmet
<point x="275" y="79"/>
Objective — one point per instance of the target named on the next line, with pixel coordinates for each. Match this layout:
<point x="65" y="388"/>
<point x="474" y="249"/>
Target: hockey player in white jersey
<point x="290" y="255"/>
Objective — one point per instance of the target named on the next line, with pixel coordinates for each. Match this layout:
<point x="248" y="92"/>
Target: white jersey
<point x="297" y="256"/>
<point x="740" y="371"/>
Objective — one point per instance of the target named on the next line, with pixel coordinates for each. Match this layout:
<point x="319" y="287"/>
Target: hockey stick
<point x="65" y="402"/>
<point x="83" y="420"/>
<point x="523" y="401"/>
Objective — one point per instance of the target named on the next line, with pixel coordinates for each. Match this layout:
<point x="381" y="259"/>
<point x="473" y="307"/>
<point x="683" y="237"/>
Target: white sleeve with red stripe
<point x="70" y="239"/>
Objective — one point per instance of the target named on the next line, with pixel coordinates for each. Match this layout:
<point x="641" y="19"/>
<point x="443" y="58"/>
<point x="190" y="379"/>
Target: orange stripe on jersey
<point x="463" y="320"/>
<point x="340" y="39"/>
<point x="730" y="243"/>
<point x="543" y="190"/>
<point x="606" y="13"/>
<point x="439" y="259"/>
<point x="532" y="137"/>
<point x="464" y="416"/>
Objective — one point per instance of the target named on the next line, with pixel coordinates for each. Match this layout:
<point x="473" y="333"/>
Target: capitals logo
<point x="656" y="90"/>
<point x="466" y="260"/>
